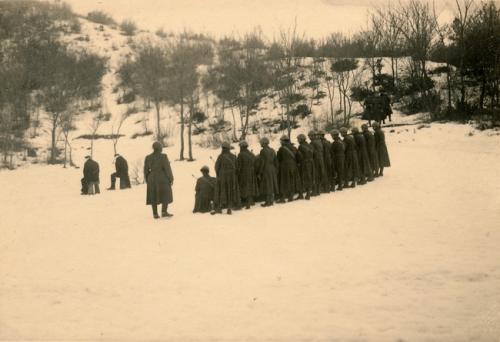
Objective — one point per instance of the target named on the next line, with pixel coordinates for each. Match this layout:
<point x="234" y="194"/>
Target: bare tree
<point x="115" y="130"/>
<point x="94" y="127"/>
<point x="67" y="126"/>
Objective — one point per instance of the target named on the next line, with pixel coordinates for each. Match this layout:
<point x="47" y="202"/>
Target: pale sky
<point x="316" y="18"/>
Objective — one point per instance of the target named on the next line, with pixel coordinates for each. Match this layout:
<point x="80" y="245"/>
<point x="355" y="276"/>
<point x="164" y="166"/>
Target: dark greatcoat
<point x="288" y="173"/>
<point x="363" y="159"/>
<point x="319" y="163"/>
<point x="351" y="167"/>
<point x="330" y="173"/>
<point x="159" y="178"/>
<point x="381" y="148"/>
<point x="246" y="174"/>
<point x="91" y="171"/>
<point x="121" y="167"/>
<point x="338" y="158"/>
<point x="372" y="152"/>
<point x="305" y="159"/>
<point x="268" y="170"/>
<point x="227" y="189"/>
<point x="205" y="190"/>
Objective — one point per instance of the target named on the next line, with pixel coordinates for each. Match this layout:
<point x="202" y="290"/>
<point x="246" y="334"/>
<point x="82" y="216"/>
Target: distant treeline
<point x="39" y="71"/>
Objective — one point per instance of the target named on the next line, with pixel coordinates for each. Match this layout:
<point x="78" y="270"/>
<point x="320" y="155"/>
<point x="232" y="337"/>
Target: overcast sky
<point x="316" y="18"/>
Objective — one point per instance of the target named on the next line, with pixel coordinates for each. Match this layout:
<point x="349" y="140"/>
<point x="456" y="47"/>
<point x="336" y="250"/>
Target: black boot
<point x="155" y="211"/>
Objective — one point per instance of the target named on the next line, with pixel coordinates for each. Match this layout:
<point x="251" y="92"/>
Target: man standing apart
<point x="159" y="178"/>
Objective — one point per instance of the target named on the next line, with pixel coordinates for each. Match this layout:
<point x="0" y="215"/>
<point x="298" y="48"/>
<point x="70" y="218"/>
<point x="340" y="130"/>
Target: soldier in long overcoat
<point x="121" y="171"/>
<point x="338" y="157"/>
<point x="351" y="167"/>
<point x="381" y="148"/>
<point x="204" y="192"/>
<point x="159" y="178"/>
<point x="319" y="163"/>
<point x="363" y="158"/>
<point x="90" y="182"/>
<point x="267" y="173"/>
<point x="247" y="176"/>
<point x="227" y="189"/>
<point x="370" y="146"/>
<point x="288" y="174"/>
<point x="305" y="160"/>
<point x="329" y="184"/>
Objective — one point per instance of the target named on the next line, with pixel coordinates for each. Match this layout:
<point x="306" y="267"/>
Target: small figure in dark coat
<point x="351" y="166"/>
<point x="319" y="163"/>
<point x="363" y="158"/>
<point x="338" y="157"/>
<point x="305" y="160"/>
<point x="386" y="106"/>
<point x="159" y="178"/>
<point x="370" y="146"/>
<point x="288" y="174"/>
<point x="90" y="181"/>
<point x="121" y="167"/>
<point x="205" y="190"/>
<point x="227" y="189"/>
<point x="267" y="173"/>
<point x="247" y="177"/>
<point x="381" y="148"/>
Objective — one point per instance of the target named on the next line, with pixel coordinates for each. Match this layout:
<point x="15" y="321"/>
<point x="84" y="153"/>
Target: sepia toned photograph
<point x="250" y="170"/>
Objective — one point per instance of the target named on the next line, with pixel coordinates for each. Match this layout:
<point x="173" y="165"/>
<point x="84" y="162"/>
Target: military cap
<point x="343" y="130"/>
<point x="364" y="127"/>
<point x="284" y="138"/>
<point x="321" y="132"/>
<point x="87" y="157"/>
<point x="311" y="133"/>
<point x="301" y="137"/>
<point x="355" y="130"/>
<point x="204" y="169"/>
<point x="375" y="125"/>
<point x="226" y="145"/>
<point x="243" y="143"/>
<point x="335" y="133"/>
<point x="264" y="141"/>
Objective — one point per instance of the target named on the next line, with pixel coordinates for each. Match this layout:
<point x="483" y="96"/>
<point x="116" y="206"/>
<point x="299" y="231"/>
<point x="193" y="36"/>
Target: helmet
<point x="157" y="146"/>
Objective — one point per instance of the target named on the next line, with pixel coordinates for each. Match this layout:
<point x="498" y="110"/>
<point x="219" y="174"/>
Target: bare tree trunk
<point x="181" y="156"/>
<point x="234" y="123"/>
<point x="158" y="126"/>
<point x="190" y="122"/>
<point x="53" y="138"/>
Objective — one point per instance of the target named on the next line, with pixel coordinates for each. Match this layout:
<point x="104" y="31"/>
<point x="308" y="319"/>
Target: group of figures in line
<point x="292" y="173"/>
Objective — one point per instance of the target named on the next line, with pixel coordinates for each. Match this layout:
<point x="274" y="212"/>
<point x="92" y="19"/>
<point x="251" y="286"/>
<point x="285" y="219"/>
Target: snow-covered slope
<point x="412" y="256"/>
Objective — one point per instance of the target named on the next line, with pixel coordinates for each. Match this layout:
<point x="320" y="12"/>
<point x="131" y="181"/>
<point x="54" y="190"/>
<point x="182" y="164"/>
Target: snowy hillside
<point x="412" y="256"/>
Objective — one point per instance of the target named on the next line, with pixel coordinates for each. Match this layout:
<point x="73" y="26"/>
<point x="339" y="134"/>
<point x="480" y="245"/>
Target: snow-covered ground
<point x="413" y="256"/>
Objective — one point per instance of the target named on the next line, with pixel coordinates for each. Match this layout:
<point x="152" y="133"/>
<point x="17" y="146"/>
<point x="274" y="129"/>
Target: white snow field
<point x="414" y="256"/>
